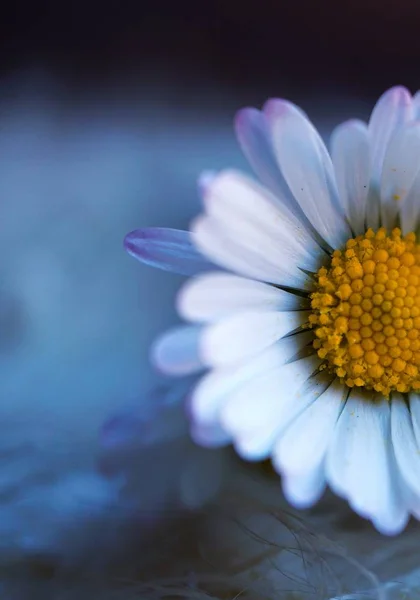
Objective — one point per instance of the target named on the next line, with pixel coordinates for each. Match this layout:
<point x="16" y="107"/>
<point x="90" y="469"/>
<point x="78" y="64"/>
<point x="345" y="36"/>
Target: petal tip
<point x="398" y="95"/>
<point x="354" y="124"/>
<point x="158" y="359"/>
<point x="130" y="242"/>
<point x="196" y="413"/>
<point x="243" y="116"/>
<point x="392" y="528"/>
<point x="204" y="181"/>
<point x="276" y="107"/>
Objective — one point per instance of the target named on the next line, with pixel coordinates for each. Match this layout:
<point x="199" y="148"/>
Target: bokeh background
<point x="108" y="113"/>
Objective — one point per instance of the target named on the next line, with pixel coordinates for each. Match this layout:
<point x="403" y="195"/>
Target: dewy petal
<point x="400" y="169"/>
<point x="351" y="159"/>
<point x="307" y="168"/>
<point x="245" y="334"/>
<point x="241" y="255"/>
<point x="305" y="489"/>
<point x="167" y="249"/>
<point x="405" y="445"/>
<point x="213" y="296"/>
<point x="257" y="412"/>
<point x="176" y="352"/>
<point x="393" y="109"/>
<point x="249" y="211"/>
<point x="213" y="389"/>
<point x="360" y="465"/>
<point x="303" y="445"/>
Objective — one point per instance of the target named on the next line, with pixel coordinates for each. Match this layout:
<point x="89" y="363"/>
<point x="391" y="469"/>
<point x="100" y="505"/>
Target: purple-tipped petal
<point x="252" y="132"/>
<point x="278" y="106"/>
<point x="393" y="109"/>
<point x="167" y="249"/>
<point x="307" y="167"/>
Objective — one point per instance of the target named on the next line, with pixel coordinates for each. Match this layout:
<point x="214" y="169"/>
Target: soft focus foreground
<point x="96" y="470"/>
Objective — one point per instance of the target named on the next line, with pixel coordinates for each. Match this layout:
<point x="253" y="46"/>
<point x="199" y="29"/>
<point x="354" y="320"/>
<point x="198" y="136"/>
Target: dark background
<point x="359" y="47"/>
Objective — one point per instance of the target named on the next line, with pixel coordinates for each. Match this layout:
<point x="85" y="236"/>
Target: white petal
<point x="210" y="298"/>
<point x="242" y="255"/>
<point x="212" y="390"/>
<point x="303" y="445"/>
<point x="305" y="489"/>
<point x="351" y="160"/>
<point x="400" y="169"/>
<point x="253" y="135"/>
<point x="395" y="518"/>
<point x="405" y="445"/>
<point x="412" y="500"/>
<point x="307" y="168"/>
<point x="259" y="410"/>
<point x="414" y="400"/>
<point x="410" y="208"/>
<point x="209" y="435"/>
<point x="373" y="208"/>
<point x="360" y="464"/>
<point x="254" y="446"/>
<point x="246" y="208"/>
<point x="205" y="179"/>
<point x="393" y="109"/>
<point x="176" y="352"/>
<point x="416" y="106"/>
<point x="245" y="334"/>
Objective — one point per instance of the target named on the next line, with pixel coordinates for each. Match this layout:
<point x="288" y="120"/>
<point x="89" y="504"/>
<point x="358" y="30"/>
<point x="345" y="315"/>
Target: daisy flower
<point x="304" y="306"/>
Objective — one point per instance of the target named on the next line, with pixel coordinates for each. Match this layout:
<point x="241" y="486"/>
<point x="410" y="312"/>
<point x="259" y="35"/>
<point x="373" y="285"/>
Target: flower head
<point x="309" y="326"/>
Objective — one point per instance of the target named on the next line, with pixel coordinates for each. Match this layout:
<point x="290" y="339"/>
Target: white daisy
<point x="310" y="335"/>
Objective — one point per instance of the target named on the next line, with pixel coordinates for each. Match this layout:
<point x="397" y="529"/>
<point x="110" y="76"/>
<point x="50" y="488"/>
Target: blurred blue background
<point x="108" y="113"/>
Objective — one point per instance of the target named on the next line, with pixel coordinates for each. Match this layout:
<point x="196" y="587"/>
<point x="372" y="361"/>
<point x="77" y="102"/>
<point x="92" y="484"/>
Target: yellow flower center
<point x="366" y="312"/>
